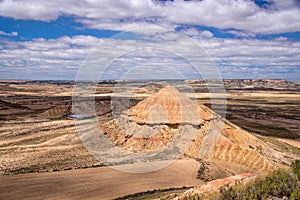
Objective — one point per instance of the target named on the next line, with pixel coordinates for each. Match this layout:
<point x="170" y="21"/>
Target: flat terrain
<point x="96" y="183"/>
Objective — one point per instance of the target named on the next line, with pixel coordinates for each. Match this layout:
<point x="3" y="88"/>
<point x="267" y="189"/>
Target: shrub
<point x="296" y="167"/>
<point x="280" y="183"/>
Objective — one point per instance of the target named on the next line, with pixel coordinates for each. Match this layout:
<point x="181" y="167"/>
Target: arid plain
<point x="42" y="156"/>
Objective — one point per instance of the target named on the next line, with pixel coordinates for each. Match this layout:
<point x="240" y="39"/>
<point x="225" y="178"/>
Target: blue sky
<point x="245" y="39"/>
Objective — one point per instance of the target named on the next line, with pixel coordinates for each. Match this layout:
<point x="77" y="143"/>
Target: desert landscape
<point x="43" y="157"/>
<point x="150" y="100"/>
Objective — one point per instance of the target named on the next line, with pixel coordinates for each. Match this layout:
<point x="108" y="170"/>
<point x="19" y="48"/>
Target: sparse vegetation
<point x="296" y="168"/>
<point x="283" y="184"/>
<point x="279" y="146"/>
<point x="151" y="194"/>
<point x="200" y="172"/>
<point x="280" y="184"/>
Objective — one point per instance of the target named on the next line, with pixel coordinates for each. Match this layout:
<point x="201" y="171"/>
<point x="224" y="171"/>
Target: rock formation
<point x="56" y="112"/>
<point x="154" y="123"/>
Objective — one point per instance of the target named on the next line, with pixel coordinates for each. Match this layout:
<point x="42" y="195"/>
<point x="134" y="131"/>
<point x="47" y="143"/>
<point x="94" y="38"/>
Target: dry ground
<point x="31" y="144"/>
<point x="97" y="183"/>
<point x="293" y="142"/>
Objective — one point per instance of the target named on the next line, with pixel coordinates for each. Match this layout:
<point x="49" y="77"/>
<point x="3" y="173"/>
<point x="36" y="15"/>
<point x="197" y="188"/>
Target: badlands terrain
<point x="43" y="157"/>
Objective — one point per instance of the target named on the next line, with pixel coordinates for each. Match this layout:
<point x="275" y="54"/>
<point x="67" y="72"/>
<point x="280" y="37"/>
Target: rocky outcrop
<point x="168" y="107"/>
<point x="235" y="148"/>
<point x="56" y="112"/>
<point x="154" y="123"/>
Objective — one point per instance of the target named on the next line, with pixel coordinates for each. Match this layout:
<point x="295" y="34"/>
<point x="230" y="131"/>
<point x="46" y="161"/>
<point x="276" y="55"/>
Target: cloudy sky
<point x="243" y="38"/>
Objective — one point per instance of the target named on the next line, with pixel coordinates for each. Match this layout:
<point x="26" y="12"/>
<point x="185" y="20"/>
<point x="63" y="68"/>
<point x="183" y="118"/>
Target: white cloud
<point x="281" y="38"/>
<point x="117" y="25"/>
<point x="38" y="10"/>
<point x="14" y="33"/>
<point x="41" y="58"/>
<point x="193" y="32"/>
<point x="241" y="33"/>
<point x="62" y="57"/>
<point x="245" y="15"/>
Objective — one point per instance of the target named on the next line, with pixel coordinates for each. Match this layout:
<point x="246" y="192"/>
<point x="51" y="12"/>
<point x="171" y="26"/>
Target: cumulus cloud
<point x="61" y="58"/>
<point x="45" y="58"/>
<point x="14" y="33"/>
<point x="194" y="33"/>
<point x="241" y="33"/>
<point x="245" y="15"/>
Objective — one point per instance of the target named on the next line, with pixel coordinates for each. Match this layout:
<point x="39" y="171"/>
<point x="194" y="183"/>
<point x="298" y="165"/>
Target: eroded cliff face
<point x="154" y="123"/>
<point x="56" y="112"/>
<point x="167" y="106"/>
<point x="235" y="148"/>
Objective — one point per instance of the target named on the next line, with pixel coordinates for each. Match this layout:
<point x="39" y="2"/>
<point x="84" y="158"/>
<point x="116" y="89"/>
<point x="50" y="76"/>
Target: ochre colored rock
<point x="155" y="121"/>
<point x="167" y="106"/>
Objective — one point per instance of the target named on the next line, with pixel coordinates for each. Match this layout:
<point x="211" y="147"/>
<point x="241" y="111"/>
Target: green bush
<point x="296" y="168"/>
<point x="280" y="183"/>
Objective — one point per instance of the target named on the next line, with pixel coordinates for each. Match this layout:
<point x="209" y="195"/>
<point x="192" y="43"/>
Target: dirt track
<point x="97" y="183"/>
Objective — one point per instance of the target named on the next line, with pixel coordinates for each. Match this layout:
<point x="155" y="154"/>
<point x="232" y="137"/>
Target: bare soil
<point x="96" y="183"/>
<point x="293" y="142"/>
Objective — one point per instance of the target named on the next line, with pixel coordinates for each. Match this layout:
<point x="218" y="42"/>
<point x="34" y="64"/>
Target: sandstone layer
<point x="157" y="121"/>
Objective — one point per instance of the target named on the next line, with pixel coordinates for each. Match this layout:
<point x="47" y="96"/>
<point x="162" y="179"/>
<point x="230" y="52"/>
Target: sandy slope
<point x="96" y="183"/>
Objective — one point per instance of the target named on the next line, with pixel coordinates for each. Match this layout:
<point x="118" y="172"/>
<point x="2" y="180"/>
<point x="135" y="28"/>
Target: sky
<point x="245" y="39"/>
